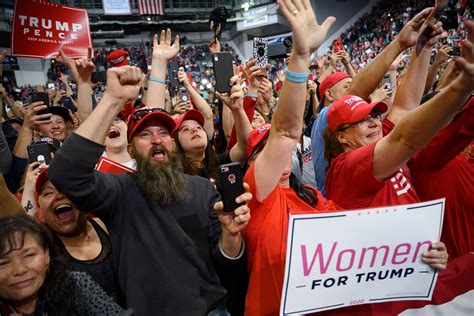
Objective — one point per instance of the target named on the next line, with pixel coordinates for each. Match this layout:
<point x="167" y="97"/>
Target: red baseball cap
<point x="256" y="136"/>
<point x="330" y="81"/>
<point x="350" y="109"/>
<point x="118" y="58"/>
<point x="140" y="116"/>
<point x="42" y="178"/>
<point x="189" y="115"/>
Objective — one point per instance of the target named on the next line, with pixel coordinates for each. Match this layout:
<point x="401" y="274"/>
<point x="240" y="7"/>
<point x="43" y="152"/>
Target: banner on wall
<point x="116" y="7"/>
<point x="360" y="257"/>
<point x="41" y="28"/>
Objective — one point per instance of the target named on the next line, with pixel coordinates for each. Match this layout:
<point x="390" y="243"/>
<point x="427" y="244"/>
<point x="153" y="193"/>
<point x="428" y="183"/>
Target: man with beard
<point x="166" y="237"/>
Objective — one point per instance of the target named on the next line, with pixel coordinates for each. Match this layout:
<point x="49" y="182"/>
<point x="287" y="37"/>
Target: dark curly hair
<point x="57" y="291"/>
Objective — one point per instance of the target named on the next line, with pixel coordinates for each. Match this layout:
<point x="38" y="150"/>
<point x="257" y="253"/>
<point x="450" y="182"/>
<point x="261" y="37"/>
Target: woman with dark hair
<point x="81" y="242"/>
<point x="32" y="281"/>
<point x="196" y="153"/>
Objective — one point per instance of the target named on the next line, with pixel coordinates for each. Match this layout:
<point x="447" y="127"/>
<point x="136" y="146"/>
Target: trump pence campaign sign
<point x="41" y="28"/>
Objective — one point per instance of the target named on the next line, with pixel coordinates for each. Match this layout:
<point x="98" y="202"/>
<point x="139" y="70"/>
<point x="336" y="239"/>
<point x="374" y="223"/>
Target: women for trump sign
<point x="360" y="257"/>
<point x="41" y="28"/>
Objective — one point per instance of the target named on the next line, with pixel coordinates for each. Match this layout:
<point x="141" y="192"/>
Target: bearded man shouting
<point x="166" y="237"/>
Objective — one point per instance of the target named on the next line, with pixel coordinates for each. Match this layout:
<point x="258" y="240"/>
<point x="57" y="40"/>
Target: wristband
<point x="297" y="77"/>
<point x="252" y="95"/>
<point x="154" y="79"/>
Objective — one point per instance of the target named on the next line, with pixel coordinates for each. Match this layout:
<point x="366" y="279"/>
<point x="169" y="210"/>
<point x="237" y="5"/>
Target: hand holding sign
<point x="123" y="83"/>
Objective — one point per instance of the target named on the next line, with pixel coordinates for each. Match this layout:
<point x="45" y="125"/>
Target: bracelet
<point x="296" y="77"/>
<point x="252" y="95"/>
<point x="154" y="79"/>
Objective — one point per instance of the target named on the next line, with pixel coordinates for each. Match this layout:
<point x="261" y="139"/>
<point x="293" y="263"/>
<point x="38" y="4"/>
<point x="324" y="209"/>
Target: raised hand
<point x="81" y="69"/>
<point x="123" y="83"/>
<point x="182" y="78"/>
<point x="410" y="32"/>
<point x="214" y="46"/>
<point x="235" y="222"/>
<point x="163" y="50"/>
<point x="307" y="33"/>
<point x="251" y="73"/>
<point x="265" y="93"/>
<point x="32" y="119"/>
<point x="443" y="54"/>
<point x="235" y="99"/>
<point x="465" y="62"/>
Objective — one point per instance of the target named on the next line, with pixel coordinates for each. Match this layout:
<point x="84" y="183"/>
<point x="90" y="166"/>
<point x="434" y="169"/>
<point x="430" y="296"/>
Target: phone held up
<point x="223" y="71"/>
<point x="39" y="152"/>
<point x="260" y="51"/>
<point x="231" y="185"/>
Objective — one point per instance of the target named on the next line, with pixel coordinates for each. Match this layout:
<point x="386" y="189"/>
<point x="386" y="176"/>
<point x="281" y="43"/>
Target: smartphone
<point x="260" y="51"/>
<point x="434" y="16"/>
<point x="40" y="97"/>
<point x="51" y="86"/>
<point x="173" y="75"/>
<point x="231" y="185"/>
<point x="223" y="71"/>
<point x="337" y="46"/>
<point x="183" y="94"/>
<point x="67" y="103"/>
<point x="39" y="152"/>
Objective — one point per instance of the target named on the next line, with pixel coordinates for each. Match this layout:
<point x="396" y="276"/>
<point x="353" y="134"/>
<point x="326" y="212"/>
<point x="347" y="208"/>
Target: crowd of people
<point x="152" y="236"/>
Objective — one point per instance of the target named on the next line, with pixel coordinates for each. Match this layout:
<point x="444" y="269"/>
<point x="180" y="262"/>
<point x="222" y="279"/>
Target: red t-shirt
<point x="350" y="182"/>
<point x="265" y="239"/>
<point x="445" y="169"/>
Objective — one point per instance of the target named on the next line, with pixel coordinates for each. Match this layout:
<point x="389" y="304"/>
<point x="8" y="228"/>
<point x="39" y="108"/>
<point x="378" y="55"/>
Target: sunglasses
<point x="373" y="116"/>
<point x="139" y="114"/>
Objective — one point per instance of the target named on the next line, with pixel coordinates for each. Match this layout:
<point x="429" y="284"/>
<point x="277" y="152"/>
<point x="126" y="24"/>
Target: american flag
<point x="150" y="7"/>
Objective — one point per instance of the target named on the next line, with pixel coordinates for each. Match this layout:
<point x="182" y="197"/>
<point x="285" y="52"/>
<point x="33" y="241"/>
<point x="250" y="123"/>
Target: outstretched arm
<point x="414" y="131"/>
<point x="370" y="76"/>
<point x="81" y="71"/>
<point x="411" y="89"/>
<point x="235" y="103"/>
<point x="162" y="53"/>
<point x="287" y="122"/>
<point x="200" y="104"/>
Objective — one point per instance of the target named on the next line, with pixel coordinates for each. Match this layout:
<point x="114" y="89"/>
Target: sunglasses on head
<point x="139" y="114"/>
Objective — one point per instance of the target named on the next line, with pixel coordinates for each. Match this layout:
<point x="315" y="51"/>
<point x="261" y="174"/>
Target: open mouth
<point x="158" y="154"/>
<point x="195" y="136"/>
<point x="113" y="133"/>
<point x="65" y="212"/>
<point x="373" y="134"/>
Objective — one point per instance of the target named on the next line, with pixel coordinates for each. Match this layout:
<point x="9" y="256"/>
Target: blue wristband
<point x="296" y="77"/>
<point x="252" y="95"/>
<point x="154" y="79"/>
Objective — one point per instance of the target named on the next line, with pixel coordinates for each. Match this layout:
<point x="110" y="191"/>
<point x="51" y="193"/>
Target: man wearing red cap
<point x="166" y="237"/>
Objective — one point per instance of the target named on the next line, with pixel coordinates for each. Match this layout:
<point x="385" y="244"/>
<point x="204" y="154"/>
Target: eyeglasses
<point x="139" y="114"/>
<point x="373" y="116"/>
